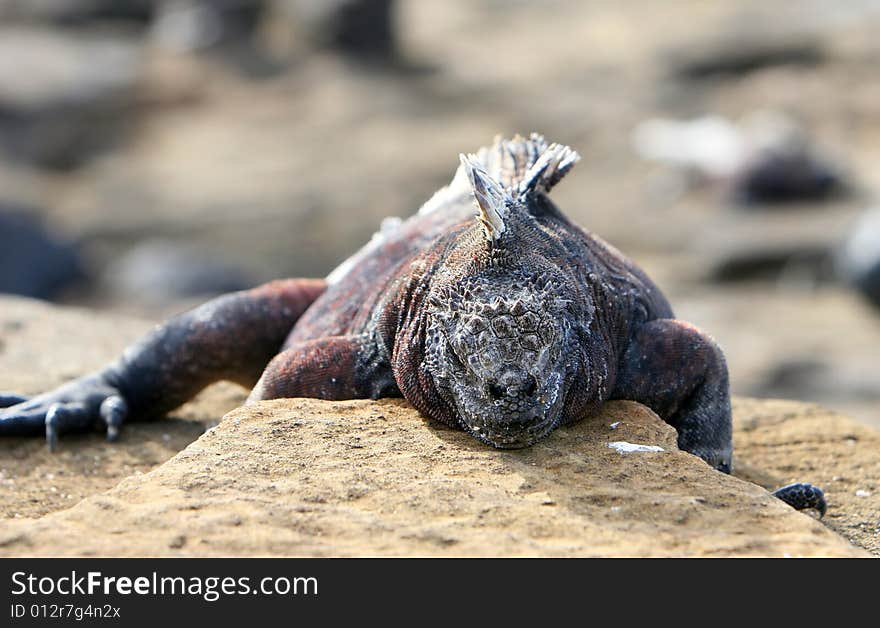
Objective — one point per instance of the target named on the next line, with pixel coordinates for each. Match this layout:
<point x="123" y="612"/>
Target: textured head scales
<point x="498" y="350"/>
<point x="502" y="175"/>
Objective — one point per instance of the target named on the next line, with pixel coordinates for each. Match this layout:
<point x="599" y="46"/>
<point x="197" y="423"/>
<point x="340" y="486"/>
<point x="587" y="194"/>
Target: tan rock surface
<point x="777" y="442"/>
<point x="306" y="478"/>
<point x="314" y="478"/>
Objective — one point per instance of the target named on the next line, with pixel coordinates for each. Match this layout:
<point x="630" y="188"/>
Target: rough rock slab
<point x="777" y="442"/>
<point x="315" y="478"/>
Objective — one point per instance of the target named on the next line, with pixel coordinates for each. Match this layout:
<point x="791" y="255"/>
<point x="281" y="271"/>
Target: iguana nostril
<point x="526" y="389"/>
<point x="495" y="391"/>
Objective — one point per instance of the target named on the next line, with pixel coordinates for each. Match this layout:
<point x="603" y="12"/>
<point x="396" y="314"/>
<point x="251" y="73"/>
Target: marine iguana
<point x="507" y="326"/>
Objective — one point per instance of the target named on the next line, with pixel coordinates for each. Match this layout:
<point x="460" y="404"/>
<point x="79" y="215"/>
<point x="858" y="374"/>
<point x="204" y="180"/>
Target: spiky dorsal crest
<point x="548" y="169"/>
<point x="521" y="164"/>
<point x="493" y="202"/>
<point x="509" y="170"/>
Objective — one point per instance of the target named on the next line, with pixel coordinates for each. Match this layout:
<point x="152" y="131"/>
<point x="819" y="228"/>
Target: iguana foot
<point x="74" y="407"/>
<point x="801" y="496"/>
<point x="10" y="399"/>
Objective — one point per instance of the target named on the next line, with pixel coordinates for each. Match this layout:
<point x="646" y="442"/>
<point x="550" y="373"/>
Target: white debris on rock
<point x="624" y="447"/>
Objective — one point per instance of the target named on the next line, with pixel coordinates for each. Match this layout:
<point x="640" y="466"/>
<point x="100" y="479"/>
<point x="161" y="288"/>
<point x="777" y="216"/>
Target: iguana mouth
<point x="516" y="435"/>
<point x="523" y="429"/>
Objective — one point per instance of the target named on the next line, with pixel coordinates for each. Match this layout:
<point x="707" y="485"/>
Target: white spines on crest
<point x="503" y="175"/>
<point x="493" y="202"/>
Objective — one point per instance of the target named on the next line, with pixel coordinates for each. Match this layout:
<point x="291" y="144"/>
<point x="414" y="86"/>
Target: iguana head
<point x="499" y="349"/>
<point x="501" y="335"/>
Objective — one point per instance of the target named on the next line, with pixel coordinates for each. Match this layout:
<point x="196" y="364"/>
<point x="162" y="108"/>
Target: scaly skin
<point x="506" y="326"/>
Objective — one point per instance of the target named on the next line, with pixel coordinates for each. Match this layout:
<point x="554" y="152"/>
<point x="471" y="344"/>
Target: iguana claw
<point x="74" y="407"/>
<point x="51" y="421"/>
<point x="113" y="412"/>
<point x="65" y="416"/>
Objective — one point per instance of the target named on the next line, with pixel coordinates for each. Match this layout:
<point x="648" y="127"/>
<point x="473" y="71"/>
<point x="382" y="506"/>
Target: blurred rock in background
<point x="765" y="159"/>
<point x="784" y="166"/>
<point x="161" y="273"/>
<point x="78" y="12"/>
<point x="745" y="46"/>
<point x="190" y="25"/>
<point x="33" y="261"/>
<point x="362" y="29"/>
<point x="858" y="257"/>
<point x="64" y="97"/>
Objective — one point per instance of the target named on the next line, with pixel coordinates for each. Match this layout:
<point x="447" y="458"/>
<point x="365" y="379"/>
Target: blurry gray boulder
<point x="76" y="12"/>
<point x="729" y="57"/>
<point x="194" y="25"/>
<point x="364" y="30"/>
<point x="64" y="96"/>
<point x="226" y="19"/>
<point x="161" y="272"/>
<point x="767" y="158"/>
<point x="787" y="171"/>
<point x="801" y="261"/>
<point x="809" y="378"/>
<point x="858" y="258"/>
<point x="33" y="261"/>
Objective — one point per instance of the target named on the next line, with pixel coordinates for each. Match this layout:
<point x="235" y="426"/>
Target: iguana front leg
<point x="680" y="373"/>
<point x="232" y="337"/>
<point x="336" y="367"/>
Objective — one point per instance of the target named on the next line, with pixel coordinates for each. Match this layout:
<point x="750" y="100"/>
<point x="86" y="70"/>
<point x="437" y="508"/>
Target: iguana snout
<point x="516" y="411"/>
